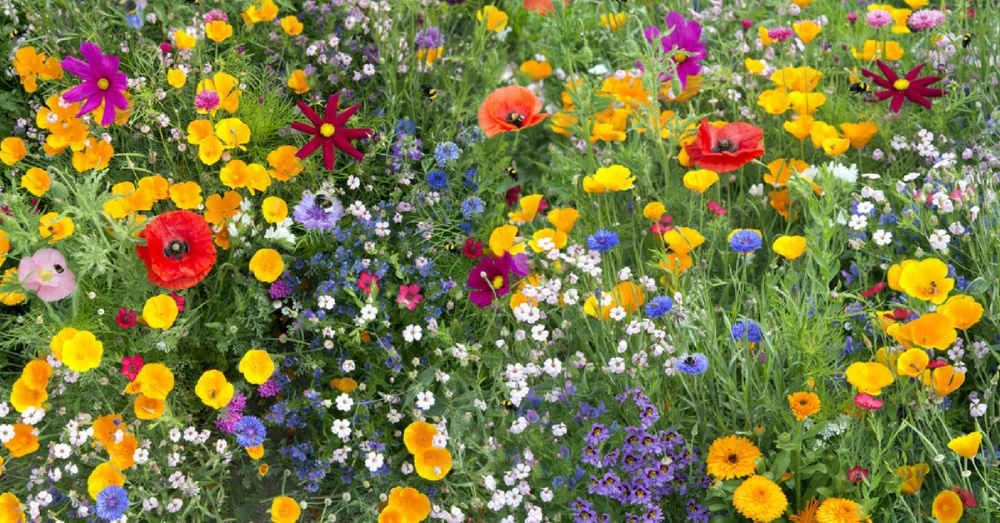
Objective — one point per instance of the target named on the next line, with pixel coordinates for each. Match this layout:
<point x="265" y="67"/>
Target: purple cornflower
<point x="102" y="82"/>
<point x="878" y="18"/>
<point x="925" y="19"/>
<point x="318" y="213"/>
<point x="685" y="37"/>
<point x="429" y="38"/>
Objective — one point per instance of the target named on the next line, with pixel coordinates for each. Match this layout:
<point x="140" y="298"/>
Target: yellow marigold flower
<point x="963" y="311"/>
<point x="732" y="457"/>
<point x="218" y="31"/>
<point x="291" y="26"/>
<point x="801" y="79"/>
<point x="160" y="312"/>
<point x="760" y="499"/>
<point x="614" y="21"/>
<point x="285" y="510"/>
<point x="186" y="195"/>
<point x="803" y="404"/>
<point x="297" y="81"/>
<point x="839" y="510"/>
<point x="774" y="101"/>
<point x="535" y="70"/>
<point x="267" y="265"/>
<point x="913" y="477"/>
<point x="683" y="240"/>
<point x="419" y="436"/>
<point x="869" y="377"/>
<point x="654" y="211"/>
<point x="233" y="133"/>
<point x="790" y="247"/>
<point x="36" y="181"/>
<point x="967" y="446"/>
<point x="502" y="240"/>
<point x="256" y="366"/>
<point x="103" y="476"/>
<point x="495" y="19"/>
<point x="176" y="78"/>
<point x="284" y="164"/>
<point x="912" y="363"/>
<point x="700" y="180"/>
<point x="613" y="178"/>
<point x="274" y="209"/>
<point x="807" y="30"/>
<point x="948" y="507"/>
<point x="529" y="208"/>
<point x="873" y="50"/>
<point x="183" y="40"/>
<point x="563" y="219"/>
<point x="12" y="150"/>
<point x="51" y="224"/>
<point x="213" y="389"/>
<point x="926" y="280"/>
<point x="432" y="463"/>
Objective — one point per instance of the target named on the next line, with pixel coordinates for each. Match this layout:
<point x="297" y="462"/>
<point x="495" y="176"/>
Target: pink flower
<point x="852" y="17"/>
<point x="126" y="318"/>
<point x="206" y="100"/>
<point x="165" y="47"/>
<point x="873" y="290"/>
<point x="780" y="33"/>
<point x="857" y="474"/>
<point x="868" y="402"/>
<point x="663" y="225"/>
<point x="179" y="300"/>
<point x="216" y="14"/>
<point x="878" y="18"/>
<point x="968" y="498"/>
<point x="368" y="282"/>
<point x="46" y="273"/>
<point x="715" y="208"/>
<point x="131" y="365"/>
<point x="408" y="296"/>
<point x="933" y="364"/>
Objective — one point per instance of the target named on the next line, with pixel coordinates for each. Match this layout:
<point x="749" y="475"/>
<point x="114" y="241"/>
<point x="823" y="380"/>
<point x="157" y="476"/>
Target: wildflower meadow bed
<point x="507" y="261"/>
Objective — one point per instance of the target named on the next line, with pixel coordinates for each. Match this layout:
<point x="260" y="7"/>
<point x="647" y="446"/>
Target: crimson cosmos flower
<point x="726" y="148"/>
<point x="909" y="87"/>
<point x="329" y="132"/>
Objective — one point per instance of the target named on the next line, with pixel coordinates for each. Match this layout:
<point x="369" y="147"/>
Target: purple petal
<point x="116" y="98"/>
<point x="109" y="115"/>
<point x="79" y="68"/>
<point x="92" y="53"/>
<point x="80" y="92"/>
<point x="92" y="103"/>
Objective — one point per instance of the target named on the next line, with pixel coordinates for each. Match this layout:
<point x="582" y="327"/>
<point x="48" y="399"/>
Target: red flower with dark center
<point x="368" y="282"/>
<point x="899" y="314"/>
<point x="727" y="148"/>
<point x="909" y="87"/>
<point x="329" y="132"/>
<point x="179" y="250"/>
<point x="512" y="195"/>
<point x="510" y="108"/>
<point x="857" y="474"/>
<point x="131" y="365"/>
<point x="472" y="249"/>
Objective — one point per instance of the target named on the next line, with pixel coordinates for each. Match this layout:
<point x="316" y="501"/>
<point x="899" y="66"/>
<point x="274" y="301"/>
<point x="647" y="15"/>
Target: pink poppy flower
<point x="857" y="474"/>
<point x="368" y="282"/>
<point x="126" y="318"/>
<point x="868" y="402"/>
<point x="179" y="300"/>
<point x="409" y="296"/>
<point x="131" y="365"/>
<point x="47" y="275"/>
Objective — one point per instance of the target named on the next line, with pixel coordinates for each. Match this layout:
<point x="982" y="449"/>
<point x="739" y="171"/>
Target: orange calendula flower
<point x="732" y="457"/>
<point x="869" y="377"/>
<point x="803" y="404"/>
<point x="510" y="108"/>
<point x="535" y="70"/>
<point x="839" y="510"/>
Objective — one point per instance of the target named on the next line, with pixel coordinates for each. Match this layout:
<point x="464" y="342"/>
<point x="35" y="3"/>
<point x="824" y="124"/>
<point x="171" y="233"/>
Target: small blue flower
<point x="250" y="431"/>
<point x="112" y="501"/>
<point x="472" y="206"/>
<point x="602" y="241"/>
<point x="470" y="179"/>
<point x="746" y="331"/>
<point x="745" y="241"/>
<point x="437" y="179"/>
<point x="659" y="306"/>
<point x="692" y="363"/>
<point x="446" y="152"/>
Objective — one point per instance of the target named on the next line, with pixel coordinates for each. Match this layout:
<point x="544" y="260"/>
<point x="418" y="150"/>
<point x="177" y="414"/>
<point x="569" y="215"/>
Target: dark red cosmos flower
<point x="179" y="251"/>
<point x="726" y="148"/>
<point x="329" y="132"/>
<point x="909" y="87"/>
<point x="472" y="249"/>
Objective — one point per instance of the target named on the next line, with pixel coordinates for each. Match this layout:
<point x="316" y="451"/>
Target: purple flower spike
<point x="102" y="82"/>
<point x="685" y="36"/>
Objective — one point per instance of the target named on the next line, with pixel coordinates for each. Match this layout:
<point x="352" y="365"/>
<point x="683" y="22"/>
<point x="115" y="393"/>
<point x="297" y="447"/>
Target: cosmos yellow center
<point x="680" y="57"/>
<point x="497" y="282"/>
<point x="327" y="130"/>
<point x="45" y="274"/>
<point x="103" y="83"/>
<point x="901" y="85"/>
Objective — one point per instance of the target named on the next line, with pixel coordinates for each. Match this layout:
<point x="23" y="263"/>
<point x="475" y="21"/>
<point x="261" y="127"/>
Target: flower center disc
<point x="901" y="85"/>
<point x="497" y="282"/>
<point x="680" y="57"/>
<point x="176" y="249"/>
<point x="327" y="130"/>
<point x="103" y="83"/>
<point x="45" y="274"/>
<point x="724" y="146"/>
<point x="515" y="119"/>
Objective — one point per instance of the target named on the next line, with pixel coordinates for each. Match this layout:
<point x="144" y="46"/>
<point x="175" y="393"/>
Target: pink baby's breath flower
<point x="878" y="18"/>
<point x="206" y="100"/>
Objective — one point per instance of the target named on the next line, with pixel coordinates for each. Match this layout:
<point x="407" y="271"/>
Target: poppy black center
<point x="515" y="119"/>
<point x="176" y="249"/>
<point x="724" y="146"/>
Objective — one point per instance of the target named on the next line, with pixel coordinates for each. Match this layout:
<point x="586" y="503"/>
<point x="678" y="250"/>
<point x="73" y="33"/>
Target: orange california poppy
<point x="509" y="109"/>
<point x="541" y="6"/>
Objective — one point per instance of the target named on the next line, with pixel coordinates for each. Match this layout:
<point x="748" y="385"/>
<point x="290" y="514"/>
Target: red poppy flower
<point x="909" y="87"/>
<point x="874" y="290"/>
<point x="726" y="148"/>
<point x="472" y="249"/>
<point x="857" y="474"/>
<point x="179" y="251"/>
<point x="509" y="108"/>
<point x="329" y="132"/>
<point x="541" y="6"/>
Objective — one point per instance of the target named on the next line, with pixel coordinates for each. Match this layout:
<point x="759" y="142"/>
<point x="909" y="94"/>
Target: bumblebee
<point x="451" y="248"/>
<point x="861" y="87"/>
<point x="15" y="32"/>
<point x="511" y="171"/>
<point x="967" y="39"/>
<point x="429" y="92"/>
<point x="325" y="201"/>
<point x="508" y="405"/>
<point x="129" y="5"/>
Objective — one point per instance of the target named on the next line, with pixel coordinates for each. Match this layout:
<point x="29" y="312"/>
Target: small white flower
<point x="61" y="450"/>
<point x="939" y="239"/>
<point x="616" y="365"/>
<point x="412" y="333"/>
<point x="374" y="461"/>
<point x="140" y="456"/>
<point x="425" y="400"/>
<point x="221" y="445"/>
<point x="348" y="365"/>
<point x="858" y="222"/>
<point x="882" y="237"/>
<point x="341" y="428"/>
<point x="344" y="402"/>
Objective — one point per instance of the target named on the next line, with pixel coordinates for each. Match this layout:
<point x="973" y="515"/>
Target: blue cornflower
<point x="745" y="241"/>
<point x="112" y="501"/>
<point x="692" y="363"/>
<point x="746" y="331"/>
<point x="446" y="152"/>
<point x="602" y="241"/>
<point x="405" y="126"/>
<point x="470" y="179"/>
<point x="472" y="206"/>
<point x="249" y="431"/>
<point x="437" y="179"/>
<point x="659" y="306"/>
<point x="318" y="212"/>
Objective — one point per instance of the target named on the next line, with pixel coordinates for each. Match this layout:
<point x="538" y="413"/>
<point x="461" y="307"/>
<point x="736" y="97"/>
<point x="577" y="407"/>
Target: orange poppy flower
<point x="541" y="6"/>
<point x="509" y="109"/>
<point x="963" y="311"/>
<point x="944" y="380"/>
<point x="932" y="330"/>
<point x="419" y="436"/>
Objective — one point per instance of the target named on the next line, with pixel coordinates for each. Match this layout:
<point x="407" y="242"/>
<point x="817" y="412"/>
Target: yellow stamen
<point x="45" y="274"/>
<point x="680" y="57"/>
<point x="901" y="84"/>
<point x="497" y="282"/>
<point x="103" y="83"/>
<point x="327" y="130"/>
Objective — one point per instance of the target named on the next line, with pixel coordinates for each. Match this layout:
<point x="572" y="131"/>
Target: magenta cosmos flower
<point x="684" y="37"/>
<point x="329" y="132"/>
<point x="490" y="278"/>
<point x="910" y="87"/>
<point x="102" y="82"/>
<point x="47" y="275"/>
